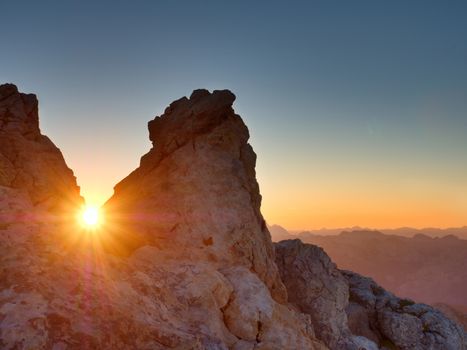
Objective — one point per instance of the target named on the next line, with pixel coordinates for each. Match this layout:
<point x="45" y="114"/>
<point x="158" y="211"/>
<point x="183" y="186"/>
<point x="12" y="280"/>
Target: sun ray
<point x="90" y="217"/>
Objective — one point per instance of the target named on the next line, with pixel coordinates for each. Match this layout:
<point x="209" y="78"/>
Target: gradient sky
<point x="357" y="109"/>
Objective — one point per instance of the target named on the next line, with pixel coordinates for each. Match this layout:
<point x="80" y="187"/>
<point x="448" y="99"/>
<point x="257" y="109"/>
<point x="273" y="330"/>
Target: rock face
<point x="32" y="169"/>
<point x="317" y="288"/>
<point x="195" y="196"/>
<point x="349" y="311"/>
<point x="65" y="297"/>
<point x="420" y="268"/>
<point x="185" y="260"/>
<point x="195" y="193"/>
<point x="458" y="315"/>
<point x="198" y="270"/>
<point x="398" y="323"/>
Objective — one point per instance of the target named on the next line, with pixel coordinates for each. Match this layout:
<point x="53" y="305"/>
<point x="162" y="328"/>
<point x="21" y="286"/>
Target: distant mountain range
<point x="412" y="263"/>
<point x="460" y="232"/>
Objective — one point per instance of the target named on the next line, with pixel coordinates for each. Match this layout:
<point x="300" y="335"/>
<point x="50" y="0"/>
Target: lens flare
<point x="90" y="216"/>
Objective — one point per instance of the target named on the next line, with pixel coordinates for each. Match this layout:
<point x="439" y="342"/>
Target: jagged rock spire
<point x="30" y="164"/>
<point x="195" y="192"/>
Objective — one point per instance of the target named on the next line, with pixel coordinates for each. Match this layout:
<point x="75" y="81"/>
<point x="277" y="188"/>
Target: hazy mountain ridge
<point x="460" y="232"/>
<point x="432" y="270"/>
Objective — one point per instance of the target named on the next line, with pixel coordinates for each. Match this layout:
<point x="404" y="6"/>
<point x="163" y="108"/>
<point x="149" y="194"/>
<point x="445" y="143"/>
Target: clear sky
<point x="357" y="109"/>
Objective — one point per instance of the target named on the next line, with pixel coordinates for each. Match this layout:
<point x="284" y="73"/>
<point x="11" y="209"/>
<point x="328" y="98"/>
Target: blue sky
<point x="361" y="100"/>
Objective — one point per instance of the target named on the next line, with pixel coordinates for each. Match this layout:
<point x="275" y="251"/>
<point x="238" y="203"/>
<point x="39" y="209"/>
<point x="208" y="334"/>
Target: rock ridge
<point x="349" y="311"/>
<point x="185" y="261"/>
<point x="32" y="168"/>
<point x="196" y="189"/>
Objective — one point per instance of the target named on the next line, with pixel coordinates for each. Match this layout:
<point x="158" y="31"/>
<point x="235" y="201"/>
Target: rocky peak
<point x="31" y="167"/>
<point x="18" y="111"/>
<point x="199" y="272"/>
<point x="195" y="192"/>
<point x="186" y="118"/>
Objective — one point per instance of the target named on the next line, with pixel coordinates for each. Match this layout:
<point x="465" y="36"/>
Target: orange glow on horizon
<point x="350" y="199"/>
<point x="332" y="203"/>
<point x="362" y="211"/>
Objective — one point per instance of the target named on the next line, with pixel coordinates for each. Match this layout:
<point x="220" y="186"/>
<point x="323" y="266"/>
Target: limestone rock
<point x="397" y="322"/>
<point x="29" y="162"/>
<point x="421" y="268"/>
<point x="317" y="288"/>
<point x="195" y="193"/>
<point x="349" y="311"/>
<point x="253" y="316"/>
<point x="185" y="260"/>
<point x="195" y="196"/>
<point x="456" y="314"/>
<point x="199" y="269"/>
<point x="55" y="293"/>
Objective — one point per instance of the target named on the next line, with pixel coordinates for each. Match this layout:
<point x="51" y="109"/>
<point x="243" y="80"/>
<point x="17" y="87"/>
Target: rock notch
<point x="198" y="271"/>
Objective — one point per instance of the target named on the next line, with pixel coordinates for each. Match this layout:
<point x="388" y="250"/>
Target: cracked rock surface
<point x="185" y="263"/>
<point x="195" y="192"/>
<point x="185" y="260"/>
<point x="317" y="288"/>
<point x="349" y="311"/>
<point x="398" y="323"/>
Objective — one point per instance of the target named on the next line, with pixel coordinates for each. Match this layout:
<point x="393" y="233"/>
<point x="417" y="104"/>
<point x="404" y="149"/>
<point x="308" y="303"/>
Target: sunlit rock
<point x="198" y="270"/>
<point x="195" y="193"/>
<point x="183" y="259"/>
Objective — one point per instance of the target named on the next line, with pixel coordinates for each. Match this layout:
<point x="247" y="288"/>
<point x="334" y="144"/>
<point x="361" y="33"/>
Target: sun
<point x="90" y="216"/>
